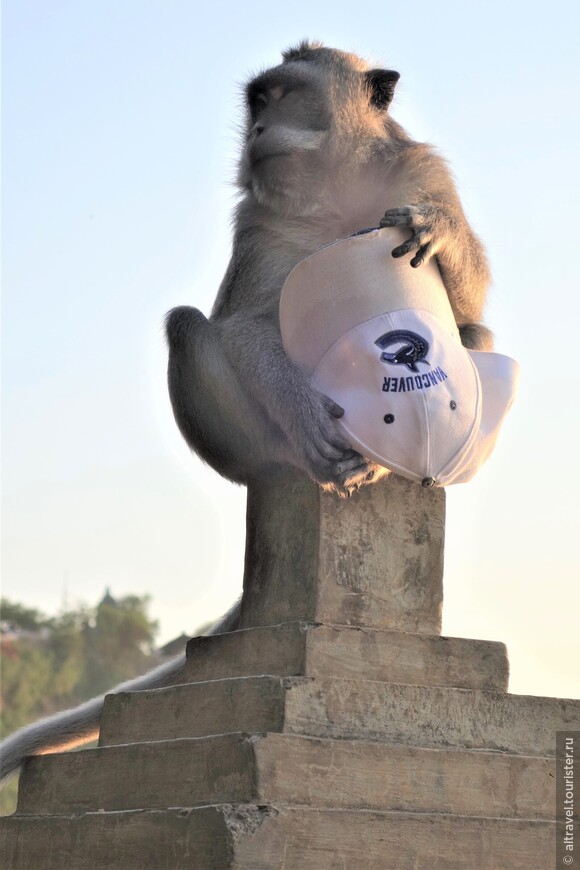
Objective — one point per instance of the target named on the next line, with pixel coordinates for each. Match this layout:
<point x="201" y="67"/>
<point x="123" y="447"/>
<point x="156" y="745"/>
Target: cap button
<point x="428" y="481"/>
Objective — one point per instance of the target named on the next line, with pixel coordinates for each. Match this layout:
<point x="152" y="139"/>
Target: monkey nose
<point x="258" y="129"/>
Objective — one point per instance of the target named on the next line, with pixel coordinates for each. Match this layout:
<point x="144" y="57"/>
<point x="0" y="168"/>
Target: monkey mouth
<point x="257" y="159"/>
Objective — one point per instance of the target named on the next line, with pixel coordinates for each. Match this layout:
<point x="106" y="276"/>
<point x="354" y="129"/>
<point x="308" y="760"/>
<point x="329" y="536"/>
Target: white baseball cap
<point x="380" y="339"/>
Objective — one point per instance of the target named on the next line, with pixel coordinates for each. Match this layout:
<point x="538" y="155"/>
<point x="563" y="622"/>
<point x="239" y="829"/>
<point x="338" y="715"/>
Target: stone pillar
<point x="373" y="560"/>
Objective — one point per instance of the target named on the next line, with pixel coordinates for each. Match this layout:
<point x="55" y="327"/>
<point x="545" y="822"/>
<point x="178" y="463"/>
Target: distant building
<point x="107" y="599"/>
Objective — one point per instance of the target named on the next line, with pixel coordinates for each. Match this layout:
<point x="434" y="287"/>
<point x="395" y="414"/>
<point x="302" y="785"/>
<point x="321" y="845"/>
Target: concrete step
<point x="307" y="649"/>
<point x="250" y="837"/>
<point x="426" y="716"/>
<point x="281" y="768"/>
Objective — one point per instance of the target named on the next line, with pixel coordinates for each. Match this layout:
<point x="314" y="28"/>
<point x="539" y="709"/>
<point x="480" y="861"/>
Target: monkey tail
<point x="80" y="725"/>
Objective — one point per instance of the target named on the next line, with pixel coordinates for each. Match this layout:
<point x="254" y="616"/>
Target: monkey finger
<point x="333" y="408"/>
<point x="405" y="216"/>
<point x="423" y="254"/>
<point x="396" y="217"/>
<point x="355" y="477"/>
<point x="401" y="211"/>
<point x="332" y="471"/>
<point x="335" y="448"/>
<point x="402" y="221"/>
<point x="416" y="240"/>
<point x="324" y="448"/>
<point x="348" y="467"/>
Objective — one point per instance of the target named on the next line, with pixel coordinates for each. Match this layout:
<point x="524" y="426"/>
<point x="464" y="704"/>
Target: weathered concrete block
<point x="412" y="715"/>
<point x="281" y="768"/>
<point x="195" y="710"/>
<point x="307" y="649"/>
<point x="375" y="559"/>
<point x="275" y="838"/>
<point x="153" y="840"/>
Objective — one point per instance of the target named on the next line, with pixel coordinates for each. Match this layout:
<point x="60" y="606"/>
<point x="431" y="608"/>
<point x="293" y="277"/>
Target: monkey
<point x="321" y="158"/>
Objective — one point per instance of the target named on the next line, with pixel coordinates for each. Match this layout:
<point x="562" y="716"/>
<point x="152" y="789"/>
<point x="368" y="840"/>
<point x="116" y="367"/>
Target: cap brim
<point x="499" y="377"/>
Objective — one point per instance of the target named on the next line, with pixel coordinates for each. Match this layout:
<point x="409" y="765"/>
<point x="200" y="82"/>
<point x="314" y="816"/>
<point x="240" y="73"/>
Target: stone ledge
<point x="282" y="768"/>
<point x="275" y="837"/>
<point x="307" y="649"/>
<point x="412" y="715"/>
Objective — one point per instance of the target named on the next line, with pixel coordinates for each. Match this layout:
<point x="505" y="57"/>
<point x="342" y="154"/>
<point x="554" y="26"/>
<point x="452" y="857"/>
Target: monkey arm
<point x="442" y="231"/>
<point x="243" y="406"/>
<point x="434" y="214"/>
<point x="245" y="316"/>
<point x="253" y="345"/>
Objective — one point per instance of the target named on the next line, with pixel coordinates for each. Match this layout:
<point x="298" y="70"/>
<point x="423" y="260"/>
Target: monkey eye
<point x="257" y="101"/>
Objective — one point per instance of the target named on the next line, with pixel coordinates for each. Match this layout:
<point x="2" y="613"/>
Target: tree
<point x="118" y="643"/>
<point x="56" y="663"/>
<point x="22" y="617"/>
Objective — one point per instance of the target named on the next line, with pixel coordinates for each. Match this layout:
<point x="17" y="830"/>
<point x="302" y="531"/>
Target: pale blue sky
<point x="119" y="142"/>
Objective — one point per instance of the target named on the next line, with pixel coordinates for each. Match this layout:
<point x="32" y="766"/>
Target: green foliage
<point x="24" y="617"/>
<point x="57" y="663"/>
<point x="117" y="644"/>
<point x="26" y="679"/>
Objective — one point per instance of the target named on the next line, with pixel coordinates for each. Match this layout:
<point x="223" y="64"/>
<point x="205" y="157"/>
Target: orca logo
<point x="413" y="349"/>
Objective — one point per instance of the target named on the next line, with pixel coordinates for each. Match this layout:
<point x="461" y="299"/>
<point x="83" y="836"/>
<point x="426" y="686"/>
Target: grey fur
<point x="321" y="159"/>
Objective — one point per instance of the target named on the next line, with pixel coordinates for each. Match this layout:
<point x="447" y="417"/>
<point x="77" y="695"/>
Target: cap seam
<point x="464" y="451"/>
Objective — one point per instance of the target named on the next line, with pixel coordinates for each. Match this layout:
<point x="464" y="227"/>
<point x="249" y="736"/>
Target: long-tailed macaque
<point x="321" y="158"/>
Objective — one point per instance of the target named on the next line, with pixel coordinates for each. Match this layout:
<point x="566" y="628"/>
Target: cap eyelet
<point x="453" y="404"/>
<point x="389" y="418"/>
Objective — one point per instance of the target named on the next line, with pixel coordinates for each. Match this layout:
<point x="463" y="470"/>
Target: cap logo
<point x="413" y="349"/>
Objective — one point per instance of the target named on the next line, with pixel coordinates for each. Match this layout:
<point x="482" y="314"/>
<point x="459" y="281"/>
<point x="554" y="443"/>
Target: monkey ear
<point x="381" y="85"/>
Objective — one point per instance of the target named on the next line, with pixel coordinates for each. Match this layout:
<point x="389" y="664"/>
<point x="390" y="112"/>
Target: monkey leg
<point x="216" y="416"/>
<point x="307" y="418"/>
<point x="227" y="424"/>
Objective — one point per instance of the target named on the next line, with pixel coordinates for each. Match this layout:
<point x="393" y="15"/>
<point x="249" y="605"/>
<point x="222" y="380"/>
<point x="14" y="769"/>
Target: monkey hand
<point x="432" y="226"/>
<point x="323" y="453"/>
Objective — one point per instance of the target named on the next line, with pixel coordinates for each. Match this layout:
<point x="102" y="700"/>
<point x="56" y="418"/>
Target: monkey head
<point x="303" y="118"/>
